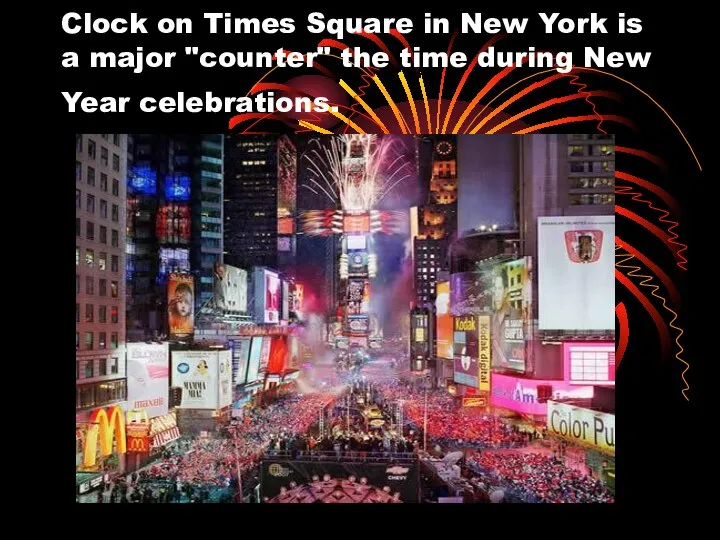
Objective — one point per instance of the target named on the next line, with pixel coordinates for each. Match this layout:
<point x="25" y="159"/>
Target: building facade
<point x="100" y="198"/>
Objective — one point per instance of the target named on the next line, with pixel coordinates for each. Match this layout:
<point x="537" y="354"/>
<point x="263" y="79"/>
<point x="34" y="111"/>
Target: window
<point x="89" y="285"/>
<point x="114" y="238"/>
<point x="575" y="150"/>
<point x="89" y="230"/>
<point x="115" y="187"/>
<point x="78" y="171"/>
<point x="116" y="162"/>
<point x="77" y="256"/>
<point x="114" y="289"/>
<point x="78" y="142"/>
<point x="89" y="258"/>
<point x="102" y="314"/>
<point x="113" y="340"/>
<point x="78" y="199"/>
<point x="103" y="234"/>
<point x="116" y="139"/>
<point x="114" y="263"/>
<point x="104" y="155"/>
<point x="77" y="376"/>
<point x="115" y="213"/>
<point x="102" y="260"/>
<point x="103" y="209"/>
<point x="77" y="284"/>
<point x="78" y="226"/>
<point x="605" y="149"/>
<point x="102" y="288"/>
<point x="91" y="176"/>
<point x="103" y="181"/>
<point x="577" y="166"/>
<point x="90" y="207"/>
<point x="90" y="363"/>
<point x="104" y="136"/>
<point x="77" y="341"/>
<point x="114" y="366"/>
<point x="89" y="312"/>
<point x="77" y="312"/>
<point x="91" y="149"/>
<point x="114" y="314"/>
<point x="102" y="338"/>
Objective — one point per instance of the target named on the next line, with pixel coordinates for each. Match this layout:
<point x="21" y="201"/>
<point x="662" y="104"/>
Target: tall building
<point x="434" y="224"/>
<point x="260" y="201"/>
<point x="174" y="223"/>
<point x="100" y="169"/>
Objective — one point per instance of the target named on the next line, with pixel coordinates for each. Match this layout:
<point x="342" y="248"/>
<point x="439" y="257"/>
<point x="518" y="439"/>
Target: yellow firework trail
<point x="654" y="288"/>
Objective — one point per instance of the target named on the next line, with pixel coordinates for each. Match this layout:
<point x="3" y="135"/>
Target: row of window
<point x="592" y="166"/>
<point x="589" y="183"/>
<point x="92" y="153"/>
<point x="105" y="136"/>
<point x="594" y="136"/>
<point x="102" y="288"/>
<point x="95" y="395"/>
<point x="102" y="314"/>
<point x="90" y="206"/>
<point x="592" y="198"/>
<point x="86" y="369"/>
<point x="101" y="259"/>
<point x="89" y="343"/>
<point x="91" y="179"/>
<point x="579" y="150"/>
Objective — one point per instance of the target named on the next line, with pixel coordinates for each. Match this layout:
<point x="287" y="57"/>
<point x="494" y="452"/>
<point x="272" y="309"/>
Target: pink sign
<point x="521" y="395"/>
<point x="589" y="362"/>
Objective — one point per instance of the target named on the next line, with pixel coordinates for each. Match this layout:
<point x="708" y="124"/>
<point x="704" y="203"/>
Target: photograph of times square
<point x="310" y="318"/>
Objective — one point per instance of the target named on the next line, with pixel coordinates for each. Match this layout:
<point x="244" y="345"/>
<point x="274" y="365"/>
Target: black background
<point x="660" y="443"/>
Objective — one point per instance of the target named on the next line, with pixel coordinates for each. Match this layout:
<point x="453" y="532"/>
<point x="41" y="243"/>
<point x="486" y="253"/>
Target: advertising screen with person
<point x="196" y="372"/>
<point x="181" y="292"/>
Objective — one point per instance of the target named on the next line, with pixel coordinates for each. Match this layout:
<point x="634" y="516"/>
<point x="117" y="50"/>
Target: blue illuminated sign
<point x="177" y="187"/>
<point x="142" y="179"/>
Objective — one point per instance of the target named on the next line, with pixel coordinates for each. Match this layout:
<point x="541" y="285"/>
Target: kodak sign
<point x="104" y="429"/>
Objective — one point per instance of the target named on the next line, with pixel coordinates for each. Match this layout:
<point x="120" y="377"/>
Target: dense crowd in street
<point x="541" y="478"/>
<point x="449" y="424"/>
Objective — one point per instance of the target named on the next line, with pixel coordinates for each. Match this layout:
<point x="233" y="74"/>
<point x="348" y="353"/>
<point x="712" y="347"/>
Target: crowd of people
<point x="449" y="424"/>
<point x="541" y="478"/>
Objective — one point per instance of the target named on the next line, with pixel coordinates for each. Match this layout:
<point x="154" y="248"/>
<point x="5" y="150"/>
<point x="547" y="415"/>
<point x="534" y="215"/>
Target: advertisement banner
<point x="470" y="293"/>
<point x="196" y="372"/>
<point x="230" y="288"/>
<point x="589" y="362"/>
<point x="526" y="395"/>
<point x="444" y="321"/>
<point x="465" y="350"/>
<point x="576" y="273"/>
<point x="148" y="377"/>
<point x="181" y="305"/>
<point x="318" y="476"/>
<point x="285" y="301"/>
<point x="254" y="361"/>
<point x="358" y="263"/>
<point x="225" y="392"/>
<point x="172" y="224"/>
<point x="356" y="223"/>
<point x="272" y="297"/>
<point x="240" y="357"/>
<point x="511" y="305"/>
<point x="103" y="429"/>
<point x="163" y="430"/>
<point x="479" y="401"/>
<point x="358" y="296"/>
<point x="582" y="426"/>
<point x="484" y="355"/>
<point x="358" y="324"/>
<point x="298" y="296"/>
<point x="265" y="354"/>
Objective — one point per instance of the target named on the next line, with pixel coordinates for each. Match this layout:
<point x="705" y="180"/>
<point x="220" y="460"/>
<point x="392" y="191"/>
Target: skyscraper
<point x="99" y="270"/>
<point x="174" y="222"/>
<point x="260" y="200"/>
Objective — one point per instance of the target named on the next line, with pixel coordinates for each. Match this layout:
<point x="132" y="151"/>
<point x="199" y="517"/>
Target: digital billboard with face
<point x="576" y="273"/>
<point x="181" y="302"/>
<point x="268" y="296"/>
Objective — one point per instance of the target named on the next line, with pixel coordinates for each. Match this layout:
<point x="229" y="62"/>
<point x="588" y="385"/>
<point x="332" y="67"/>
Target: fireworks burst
<point x="355" y="171"/>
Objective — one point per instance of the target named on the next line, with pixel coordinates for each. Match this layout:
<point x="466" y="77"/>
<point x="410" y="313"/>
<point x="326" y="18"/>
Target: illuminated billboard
<point x="444" y="321"/>
<point x="284" y="243"/>
<point x="173" y="260"/>
<point x="465" y="350"/>
<point x="511" y="295"/>
<point x="230" y="288"/>
<point x="526" y="395"/>
<point x="267" y="296"/>
<point x="240" y="359"/>
<point x="576" y="273"/>
<point x="470" y="293"/>
<point x="356" y="242"/>
<point x="359" y="223"/>
<point x="358" y="263"/>
<point x="181" y="305"/>
<point x="582" y="426"/>
<point x="589" y="362"/>
<point x="358" y="324"/>
<point x="177" y="187"/>
<point x="285" y="314"/>
<point x="142" y="179"/>
<point x="205" y="378"/>
<point x="256" y="346"/>
<point x="358" y="296"/>
<point x="265" y="353"/>
<point x="148" y="377"/>
<point x="172" y="224"/>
